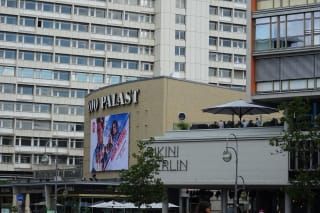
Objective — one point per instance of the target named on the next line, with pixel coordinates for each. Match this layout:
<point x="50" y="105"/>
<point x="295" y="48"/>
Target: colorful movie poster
<point x="109" y="143"/>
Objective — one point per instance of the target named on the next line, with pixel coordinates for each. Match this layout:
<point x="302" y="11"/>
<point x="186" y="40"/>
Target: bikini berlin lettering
<point x="171" y="160"/>
<point x="114" y="100"/>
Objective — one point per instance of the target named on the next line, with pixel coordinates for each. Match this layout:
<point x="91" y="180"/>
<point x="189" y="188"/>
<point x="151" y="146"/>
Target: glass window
<point x="7" y="71"/>
<point x="114" y="79"/>
<point x="180" y="67"/>
<point x="8" y="106"/>
<point x="224" y="73"/>
<point x="42" y="125"/>
<point x="65" y="9"/>
<point x="25" y="90"/>
<point x="12" y="37"/>
<point x="47" y="24"/>
<point x="180" y="19"/>
<point x="12" y="3"/>
<point x="48" y="7"/>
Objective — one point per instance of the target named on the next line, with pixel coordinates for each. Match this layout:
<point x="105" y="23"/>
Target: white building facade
<point x="53" y="53"/>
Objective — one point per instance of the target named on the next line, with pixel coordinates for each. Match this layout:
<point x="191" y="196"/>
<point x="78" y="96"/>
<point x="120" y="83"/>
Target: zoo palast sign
<point x="114" y="100"/>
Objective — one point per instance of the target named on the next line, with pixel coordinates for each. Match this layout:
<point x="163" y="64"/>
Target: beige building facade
<point x="153" y="108"/>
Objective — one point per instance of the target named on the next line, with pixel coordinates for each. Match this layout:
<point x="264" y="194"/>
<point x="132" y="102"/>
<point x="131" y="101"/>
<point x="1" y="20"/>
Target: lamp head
<point x="45" y="159"/>
<point x="226" y="156"/>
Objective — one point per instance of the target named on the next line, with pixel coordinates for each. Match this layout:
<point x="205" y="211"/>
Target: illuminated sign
<point x="114" y="100"/>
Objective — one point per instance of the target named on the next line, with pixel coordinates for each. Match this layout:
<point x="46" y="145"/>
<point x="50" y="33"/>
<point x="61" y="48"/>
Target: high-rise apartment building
<point x="285" y="38"/>
<point x="53" y="53"/>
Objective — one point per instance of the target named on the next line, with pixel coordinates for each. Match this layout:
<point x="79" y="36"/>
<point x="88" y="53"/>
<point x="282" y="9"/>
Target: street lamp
<point x="227" y="156"/>
<point x="45" y="160"/>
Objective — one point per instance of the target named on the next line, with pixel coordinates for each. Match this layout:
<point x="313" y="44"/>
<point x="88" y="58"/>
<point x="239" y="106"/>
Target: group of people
<point x="240" y="124"/>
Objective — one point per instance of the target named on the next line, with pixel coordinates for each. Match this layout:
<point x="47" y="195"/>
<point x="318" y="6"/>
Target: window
<point x="181" y="4"/>
<point x="6" y="123"/>
<point x="44" y="91"/>
<point x="180" y="19"/>
<point x="180" y="51"/>
<point x="225" y="27"/>
<point x="7" y="88"/>
<point x="60" y="92"/>
<point x="27" y="21"/>
<point x="212" y="41"/>
<point x="213" y="10"/>
<point x="42" y="125"/>
<point x="213" y="25"/>
<point x="114" y="79"/>
<point x="7" y="71"/>
<point x="224" y="42"/>
<point x="239" y="28"/>
<point x="25" y="90"/>
<point x="180" y="67"/>
<point x="239" y="59"/>
<point x="225" y="12"/>
<point x="213" y="56"/>
<point x="42" y="108"/>
<point x="180" y="35"/>
<point x="224" y="57"/>
<point x="238" y="43"/>
<point x="7" y="141"/>
<point x="212" y="72"/>
<point x="240" y="14"/>
<point x="7" y="158"/>
<point x="240" y="74"/>
<point x="24" y="125"/>
<point x="24" y="107"/>
<point x="224" y="73"/>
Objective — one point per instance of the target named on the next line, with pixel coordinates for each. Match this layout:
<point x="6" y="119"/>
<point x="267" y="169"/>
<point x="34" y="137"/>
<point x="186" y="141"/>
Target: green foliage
<point x="14" y="209"/>
<point x="300" y="138"/>
<point x="139" y="182"/>
<point x="182" y="125"/>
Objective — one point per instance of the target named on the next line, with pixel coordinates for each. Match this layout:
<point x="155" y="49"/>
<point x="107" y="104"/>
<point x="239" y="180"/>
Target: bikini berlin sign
<point x="114" y="100"/>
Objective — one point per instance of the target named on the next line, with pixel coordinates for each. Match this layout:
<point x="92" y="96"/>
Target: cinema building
<point x="143" y="109"/>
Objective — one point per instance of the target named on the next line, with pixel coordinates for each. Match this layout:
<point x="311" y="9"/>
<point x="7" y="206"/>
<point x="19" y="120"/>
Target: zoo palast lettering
<point x="114" y="100"/>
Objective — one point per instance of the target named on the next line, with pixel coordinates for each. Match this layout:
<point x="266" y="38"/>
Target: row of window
<point x="77" y="27"/>
<point x="268" y="4"/>
<point x="41" y="142"/>
<point x="143" y="3"/>
<point x="41" y="108"/>
<point x="227" y="27"/>
<point x="77" y="10"/>
<point x="227" y="42"/>
<point x="42" y="91"/>
<point x="60" y="75"/>
<point x="48" y="58"/>
<point x="227" y="12"/>
<point x="288" y="85"/>
<point x="7" y="158"/>
<point x="226" y="57"/>
<point x="7" y="123"/>
<point x="75" y="43"/>
<point x="227" y="73"/>
<point x="130" y="64"/>
<point x="288" y="31"/>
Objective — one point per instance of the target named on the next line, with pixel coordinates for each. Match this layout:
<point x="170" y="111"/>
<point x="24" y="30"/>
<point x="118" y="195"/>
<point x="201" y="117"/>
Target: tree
<point x="140" y="181"/>
<point x="301" y="139"/>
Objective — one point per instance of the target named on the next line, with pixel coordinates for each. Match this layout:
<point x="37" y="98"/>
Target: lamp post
<point x="45" y="160"/>
<point x="227" y="156"/>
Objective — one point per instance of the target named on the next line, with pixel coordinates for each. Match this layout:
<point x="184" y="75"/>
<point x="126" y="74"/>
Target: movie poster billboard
<point x="109" y="143"/>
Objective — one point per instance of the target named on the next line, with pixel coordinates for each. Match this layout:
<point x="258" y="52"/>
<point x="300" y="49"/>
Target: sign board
<point x="20" y="197"/>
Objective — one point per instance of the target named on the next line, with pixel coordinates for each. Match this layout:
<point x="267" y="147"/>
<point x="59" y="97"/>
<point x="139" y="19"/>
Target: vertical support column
<point x="224" y="200"/>
<point x="47" y="192"/>
<point x="188" y="205"/>
<point x="181" y="201"/>
<point x="165" y="204"/>
<point x="27" y="203"/>
<point x="14" y="196"/>
<point x="287" y="203"/>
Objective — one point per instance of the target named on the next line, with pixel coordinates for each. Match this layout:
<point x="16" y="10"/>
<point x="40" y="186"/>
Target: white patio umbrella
<point x="157" y="206"/>
<point x="240" y="108"/>
<point x="108" y="205"/>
